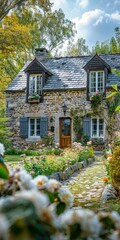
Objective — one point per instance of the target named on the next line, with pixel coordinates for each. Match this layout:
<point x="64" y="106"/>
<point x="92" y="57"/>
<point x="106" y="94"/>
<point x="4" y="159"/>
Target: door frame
<point x="61" y="129"/>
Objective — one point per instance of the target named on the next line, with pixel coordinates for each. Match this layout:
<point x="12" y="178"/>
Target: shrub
<point x="48" y="140"/>
<point x="96" y="99"/>
<point x="115" y="168"/>
<point x="87" y="153"/>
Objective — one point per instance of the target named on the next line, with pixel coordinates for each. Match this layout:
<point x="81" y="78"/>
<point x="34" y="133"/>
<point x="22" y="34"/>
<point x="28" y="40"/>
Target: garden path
<point x="88" y="184"/>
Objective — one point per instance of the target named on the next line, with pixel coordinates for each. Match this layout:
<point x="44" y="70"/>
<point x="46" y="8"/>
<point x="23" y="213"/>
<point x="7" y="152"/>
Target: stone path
<point x="87" y="185"/>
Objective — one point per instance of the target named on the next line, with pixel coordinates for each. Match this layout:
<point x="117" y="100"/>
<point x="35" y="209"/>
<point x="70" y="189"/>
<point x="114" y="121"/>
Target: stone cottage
<point x="49" y="94"/>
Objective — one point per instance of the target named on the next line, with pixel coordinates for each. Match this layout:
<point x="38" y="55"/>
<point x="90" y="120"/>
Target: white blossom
<point x="40" y="200"/>
<point x="24" y="180"/>
<point x="40" y="181"/>
<point x="52" y="185"/>
<point x="66" y="196"/>
<point x="88" y="221"/>
<point x="2" y="149"/>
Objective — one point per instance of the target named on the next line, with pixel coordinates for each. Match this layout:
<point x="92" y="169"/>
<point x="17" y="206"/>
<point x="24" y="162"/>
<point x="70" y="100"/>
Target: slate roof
<point x="68" y="73"/>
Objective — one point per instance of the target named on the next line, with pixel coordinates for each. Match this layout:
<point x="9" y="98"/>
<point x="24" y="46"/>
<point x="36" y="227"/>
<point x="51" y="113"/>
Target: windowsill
<point x="33" y="100"/>
<point x="35" y="139"/>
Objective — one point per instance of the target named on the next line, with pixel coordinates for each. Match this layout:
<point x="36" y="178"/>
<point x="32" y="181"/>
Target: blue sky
<point x="95" y="19"/>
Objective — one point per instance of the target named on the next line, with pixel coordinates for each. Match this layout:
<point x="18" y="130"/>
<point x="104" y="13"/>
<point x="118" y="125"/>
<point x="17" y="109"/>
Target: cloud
<point x="83" y="3"/>
<point x="116" y="2"/>
<point x="96" y="25"/>
<point x="58" y="4"/>
<point x="115" y="16"/>
<point x="88" y="17"/>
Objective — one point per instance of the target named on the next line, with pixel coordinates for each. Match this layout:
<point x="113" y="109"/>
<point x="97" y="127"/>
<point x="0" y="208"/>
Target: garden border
<point x="66" y="174"/>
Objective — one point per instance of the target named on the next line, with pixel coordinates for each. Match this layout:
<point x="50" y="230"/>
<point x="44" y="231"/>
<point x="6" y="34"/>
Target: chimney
<point x="41" y="53"/>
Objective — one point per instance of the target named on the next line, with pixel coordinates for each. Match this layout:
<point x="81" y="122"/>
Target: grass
<point x="12" y="158"/>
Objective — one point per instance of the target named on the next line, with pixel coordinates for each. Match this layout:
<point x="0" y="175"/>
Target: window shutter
<point x="23" y="127"/>
<point x="87" y="126"/>
<point x="43" y="126"/>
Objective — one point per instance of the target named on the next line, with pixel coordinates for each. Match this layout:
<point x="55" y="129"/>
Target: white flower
<point x="52" y="185"/>
<point x="40" y="200"/>
<point x="24" y="180"/>
<point x="49" y="215"/>
<point x="2" y="149"/>
<point x="66" y="196"/>
<point x="40" y="181"/>
<point x="4" y="227"/>
<point x="89" y="222"/>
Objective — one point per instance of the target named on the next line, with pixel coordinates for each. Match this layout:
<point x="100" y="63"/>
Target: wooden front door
<point x="65" y="132"/>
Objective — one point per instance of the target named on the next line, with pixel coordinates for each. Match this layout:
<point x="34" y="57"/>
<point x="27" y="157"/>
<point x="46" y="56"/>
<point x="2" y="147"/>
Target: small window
<point x="96" y="81"/>
<point x="97" y="128"/>
<point x="35" y="84"/>
<point x="34" y="127"/>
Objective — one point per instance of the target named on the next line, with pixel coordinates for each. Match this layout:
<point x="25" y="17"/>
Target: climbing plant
<point x="112" y="103"/>
<point x="77" y="116"/>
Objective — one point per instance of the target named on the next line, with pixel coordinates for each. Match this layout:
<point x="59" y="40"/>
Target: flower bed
<point x="49" y="164"/>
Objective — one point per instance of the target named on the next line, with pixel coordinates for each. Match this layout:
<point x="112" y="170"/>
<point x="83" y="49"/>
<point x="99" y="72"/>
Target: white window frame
<point x="98" y="118"/>
<point x="96" y="72"/>
<point x="35" y="128"/>
<point x="36" y="90"/>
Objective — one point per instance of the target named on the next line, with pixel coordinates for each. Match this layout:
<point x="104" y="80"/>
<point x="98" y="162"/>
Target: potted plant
<point x="34" y="98"/>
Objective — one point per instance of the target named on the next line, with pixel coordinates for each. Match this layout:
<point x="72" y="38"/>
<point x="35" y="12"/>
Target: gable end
<point x="97" y="63"/>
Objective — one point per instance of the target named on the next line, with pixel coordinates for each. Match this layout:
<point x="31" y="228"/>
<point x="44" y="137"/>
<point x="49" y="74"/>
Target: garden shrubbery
<point x="59" y="160"/>
<point x="115" y="167"/>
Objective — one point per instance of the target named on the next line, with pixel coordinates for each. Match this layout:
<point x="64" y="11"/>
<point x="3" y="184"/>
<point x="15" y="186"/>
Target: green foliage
<point x="113" y="101"/>
<point x="77" y="116"/>
<point x="115" y="168"/>
<point x="85" y="139"/>
<point x="4" y="174"/>
<point x="49" y="164"/>
<point x="3" y="129"/>
<point x="6" y="6"/>
<point x="107" y="47"/>
<point x="27" y="152"/>
<point x="78" y="48"/>
<point x="57" y="151"/>
<point x="48" y="140"/>
<point x="87" y="153"/>
<point x="96" y="100"/>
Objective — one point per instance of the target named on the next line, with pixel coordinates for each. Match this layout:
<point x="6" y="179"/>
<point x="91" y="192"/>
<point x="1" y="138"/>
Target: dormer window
<point x="97" y="81"/>
<point x="35" y="84"/>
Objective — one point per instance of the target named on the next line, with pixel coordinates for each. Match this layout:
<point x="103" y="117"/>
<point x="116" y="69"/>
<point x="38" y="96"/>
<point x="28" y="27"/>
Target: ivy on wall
<point x="77" y="116"/>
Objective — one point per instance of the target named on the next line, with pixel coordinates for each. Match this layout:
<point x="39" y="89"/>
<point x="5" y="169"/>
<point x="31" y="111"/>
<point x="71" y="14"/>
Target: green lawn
<point x="12" y="158"/>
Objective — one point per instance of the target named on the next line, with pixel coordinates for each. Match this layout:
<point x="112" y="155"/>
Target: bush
<point x="87" y="153"/>
<point x="49" y="164"/>
<point x="115" y="168"/>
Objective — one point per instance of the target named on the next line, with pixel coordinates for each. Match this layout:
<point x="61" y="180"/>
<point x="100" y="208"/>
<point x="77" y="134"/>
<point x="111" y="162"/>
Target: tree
<point x="78" y="48"/>
<point x="7" y="5"/>
<point x="110" y="46"/>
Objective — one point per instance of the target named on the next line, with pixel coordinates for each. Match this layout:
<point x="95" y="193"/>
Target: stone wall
<point x="51" y="107"/>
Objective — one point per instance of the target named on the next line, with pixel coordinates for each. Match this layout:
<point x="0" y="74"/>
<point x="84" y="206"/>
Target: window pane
<point x="94" y="128"/>
<point x="39" y="84"/>
<point x="38" y="126"/>
<point x="32" y="85"/>
<point x="93" y="82"/>
<point x="100" y="81"/>
<point x="32" y="127"/>
<point x="65" y="127"/>
<point x="101" y="127"/>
